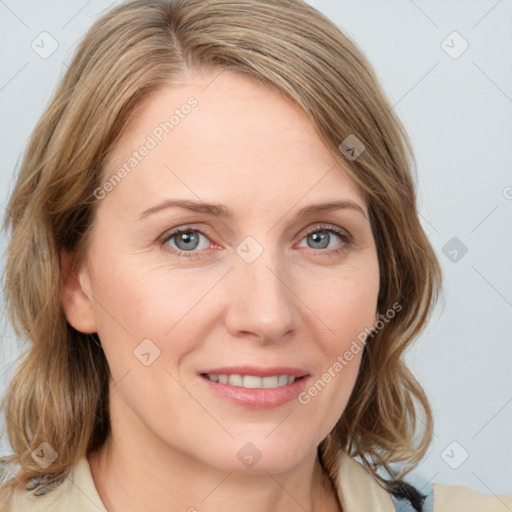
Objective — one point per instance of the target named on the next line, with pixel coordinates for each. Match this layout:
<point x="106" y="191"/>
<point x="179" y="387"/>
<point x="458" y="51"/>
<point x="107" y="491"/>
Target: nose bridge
<point x="259" y="296"/>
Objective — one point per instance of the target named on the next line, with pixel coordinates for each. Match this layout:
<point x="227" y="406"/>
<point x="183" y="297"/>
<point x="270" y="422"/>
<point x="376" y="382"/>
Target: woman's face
<point x="244" y="292"/>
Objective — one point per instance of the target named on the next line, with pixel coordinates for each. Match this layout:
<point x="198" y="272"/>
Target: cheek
<point x="325" y="399"/>
<point x="344" y="311"/>
<point x="134" y="303"/>
<point x="344" y="302"/>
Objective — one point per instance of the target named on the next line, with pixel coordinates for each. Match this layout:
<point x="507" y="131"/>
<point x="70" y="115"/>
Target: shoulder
<point x="76" y="493"/>
<point x="358" y="490"/>
<point x="454" y="498"/>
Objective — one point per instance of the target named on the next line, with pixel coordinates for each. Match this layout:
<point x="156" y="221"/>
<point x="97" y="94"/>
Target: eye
<point x="185" y="240"/>
<point x="320" y="237"/>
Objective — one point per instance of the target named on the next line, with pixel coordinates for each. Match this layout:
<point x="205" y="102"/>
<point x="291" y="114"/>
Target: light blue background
<point x="458" y="113"/>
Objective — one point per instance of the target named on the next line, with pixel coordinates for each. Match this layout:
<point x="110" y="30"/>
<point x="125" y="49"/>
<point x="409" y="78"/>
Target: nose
<point x="260" y="300"/>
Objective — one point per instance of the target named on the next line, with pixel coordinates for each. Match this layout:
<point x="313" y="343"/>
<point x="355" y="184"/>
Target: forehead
<point x="223" y="137"/>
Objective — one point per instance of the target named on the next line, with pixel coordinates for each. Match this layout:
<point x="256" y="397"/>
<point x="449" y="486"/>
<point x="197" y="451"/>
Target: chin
<point x="259" y="455"/>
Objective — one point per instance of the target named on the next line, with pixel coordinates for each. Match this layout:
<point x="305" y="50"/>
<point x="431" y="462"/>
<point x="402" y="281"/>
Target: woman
<point x="193" y="348"/>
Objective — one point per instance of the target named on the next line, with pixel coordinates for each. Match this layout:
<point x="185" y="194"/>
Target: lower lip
<point x="258" y="398"/>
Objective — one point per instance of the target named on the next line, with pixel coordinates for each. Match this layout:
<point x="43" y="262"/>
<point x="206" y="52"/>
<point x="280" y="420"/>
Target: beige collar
<point x="358" y="490"/>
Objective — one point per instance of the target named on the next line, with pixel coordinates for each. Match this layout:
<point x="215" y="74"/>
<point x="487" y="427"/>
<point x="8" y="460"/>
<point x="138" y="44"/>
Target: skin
<point x="174" y="445"/>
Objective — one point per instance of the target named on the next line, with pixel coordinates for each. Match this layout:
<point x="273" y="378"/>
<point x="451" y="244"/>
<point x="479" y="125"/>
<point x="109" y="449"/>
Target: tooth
<point x="235" y="380"/>
<point x="283" y="380"/>
<point x="251" y="381"/>
<point x="270" y="382"/>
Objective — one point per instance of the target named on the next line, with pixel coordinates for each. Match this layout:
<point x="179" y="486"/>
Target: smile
<point x="256" y="387"/>
<point x="253" y="381"/>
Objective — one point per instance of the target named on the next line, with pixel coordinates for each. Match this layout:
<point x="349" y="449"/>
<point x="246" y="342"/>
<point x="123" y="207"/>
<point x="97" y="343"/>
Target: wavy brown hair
<point x="59" y="393"/>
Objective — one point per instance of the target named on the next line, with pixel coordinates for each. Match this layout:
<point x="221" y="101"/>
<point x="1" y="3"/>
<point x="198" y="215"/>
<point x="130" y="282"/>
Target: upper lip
<point x="257" y="371"/>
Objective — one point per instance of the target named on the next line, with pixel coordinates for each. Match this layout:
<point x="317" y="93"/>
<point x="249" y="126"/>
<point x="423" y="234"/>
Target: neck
<point x="125" y="475"/>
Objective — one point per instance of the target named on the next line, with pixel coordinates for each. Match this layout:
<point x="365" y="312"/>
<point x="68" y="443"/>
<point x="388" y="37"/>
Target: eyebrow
<point x="220" y="210"/>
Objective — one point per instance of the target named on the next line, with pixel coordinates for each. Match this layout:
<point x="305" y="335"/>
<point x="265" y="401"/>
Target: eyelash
<point x="329" y="228"/>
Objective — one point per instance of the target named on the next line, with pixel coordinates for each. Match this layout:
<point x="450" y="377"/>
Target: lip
<point x="257" y="371"/>
<point x="257" y="398"/>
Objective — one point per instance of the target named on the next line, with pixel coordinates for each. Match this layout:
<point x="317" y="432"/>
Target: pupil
<point x="319" y="238"/>
<point x="187" y="238"/>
